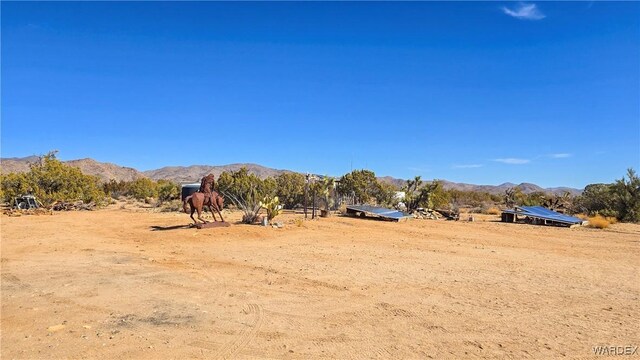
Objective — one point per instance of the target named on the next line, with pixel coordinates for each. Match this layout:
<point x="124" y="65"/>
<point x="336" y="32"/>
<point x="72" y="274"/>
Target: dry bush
<point x="171" y="206"/>
<point x="612" y="220"/>
<point x="598" y="222"/>
<point x="342" y="208"/>
<point x="299" y="222"/>
<point x="582" y="216"/>
<point x="492" y="211"/>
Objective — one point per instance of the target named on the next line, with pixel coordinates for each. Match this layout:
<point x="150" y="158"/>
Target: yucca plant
<point x="249" y="206"/>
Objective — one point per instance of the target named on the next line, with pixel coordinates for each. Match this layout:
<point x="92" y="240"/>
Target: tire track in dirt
<point x="232" y="348"/>
<point x="365" y="346"/>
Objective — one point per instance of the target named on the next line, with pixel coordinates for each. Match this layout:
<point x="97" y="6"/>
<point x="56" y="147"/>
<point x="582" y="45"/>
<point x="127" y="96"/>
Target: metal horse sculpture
<point x="205" y="197"/>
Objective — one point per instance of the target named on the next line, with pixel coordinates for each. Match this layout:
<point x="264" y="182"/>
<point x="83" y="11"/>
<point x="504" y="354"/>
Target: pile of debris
<point x="70" y="206"/>
<point x="20" y="212"/>
<point x="450" y="214"/>
<point x="432" y="214"/>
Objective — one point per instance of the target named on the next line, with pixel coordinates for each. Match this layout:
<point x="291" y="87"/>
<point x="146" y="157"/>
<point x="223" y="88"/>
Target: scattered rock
<point x="54" y="328"/>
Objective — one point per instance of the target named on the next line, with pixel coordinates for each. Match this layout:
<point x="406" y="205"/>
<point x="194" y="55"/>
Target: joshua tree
<point x="325" y="190"/>
<point x="510" y="197"/>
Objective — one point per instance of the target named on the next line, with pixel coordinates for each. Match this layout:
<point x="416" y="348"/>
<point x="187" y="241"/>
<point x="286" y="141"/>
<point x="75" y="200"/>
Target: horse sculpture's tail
<point x="184" y="204"/>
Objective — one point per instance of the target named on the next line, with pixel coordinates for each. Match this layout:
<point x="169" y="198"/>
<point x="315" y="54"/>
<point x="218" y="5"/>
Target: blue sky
<point x="478" y="92"/>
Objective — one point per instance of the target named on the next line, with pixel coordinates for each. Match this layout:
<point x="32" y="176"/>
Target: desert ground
<point x="132" y="283"/>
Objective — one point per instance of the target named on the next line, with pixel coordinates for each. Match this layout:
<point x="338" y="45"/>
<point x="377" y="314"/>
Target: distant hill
<point x="195" y="172"/>
<point x="526" y="188"/>
<point x="16" y="165"/>
<point x="182" y="174"/>
<point x="105" y="171"/>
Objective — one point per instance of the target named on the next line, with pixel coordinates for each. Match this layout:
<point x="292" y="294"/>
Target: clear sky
<point x="478" y="92"/>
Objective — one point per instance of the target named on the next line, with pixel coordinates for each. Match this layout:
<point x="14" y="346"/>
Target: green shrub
<point x="290" y="189"/>
<point x="143" y="188"/>
<point x="167" y="191"/>
<point x="50" y="181"/>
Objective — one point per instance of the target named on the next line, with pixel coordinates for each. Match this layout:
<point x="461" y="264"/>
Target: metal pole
<point x="313" y="216"/>
<point x="306" y="195"/>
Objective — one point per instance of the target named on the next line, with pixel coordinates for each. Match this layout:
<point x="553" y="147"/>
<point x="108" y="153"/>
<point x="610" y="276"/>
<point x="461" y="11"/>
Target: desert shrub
<point x="385" y="194"/>
<point x="143" y="188"/>
<point x="559" y="201"/>
<point x="342" y="208"/>
<point x="429" y="195"/>
<point x="116" y="189"/>
<point x="241" y="184"/>
<point x="598" y="222"/>
<point x="290" y="189"/>
<point x="620" y="199"/>
<point x="171" y="206"/>
<point x="626" y="194"/>
<point x="14" y="185"/>
<point x="167" y="191"/>
<point x="492" y="211"/>
<point x="536" y="198"/>
<point x="596" y="199"/>
<point x="50" y="181"/>
<point x="458" y="198"/>
<point x="245" y="191"/>
<point x="581" y="216"/>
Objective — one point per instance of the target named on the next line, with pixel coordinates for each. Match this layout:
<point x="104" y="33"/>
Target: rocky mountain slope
<point x="196" y="172"/>
<point x="193" y="173"/>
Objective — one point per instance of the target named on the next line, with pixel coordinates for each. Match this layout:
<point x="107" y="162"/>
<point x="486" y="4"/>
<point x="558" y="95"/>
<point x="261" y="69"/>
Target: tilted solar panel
<point x="382" y="212"/>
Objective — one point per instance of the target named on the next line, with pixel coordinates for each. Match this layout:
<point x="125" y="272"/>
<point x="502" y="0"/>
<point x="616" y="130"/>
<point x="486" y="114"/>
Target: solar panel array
<point x="544" y="213"/>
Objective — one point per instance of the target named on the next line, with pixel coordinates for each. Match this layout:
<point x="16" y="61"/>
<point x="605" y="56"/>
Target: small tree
<point x="597" y="199"/>
<point x="290" y="189"/>
<point x="627" y="197"/>
<point x="385" y="194"/>
<point x="50" y="181"/>
<point x="439" y="198"/>
<point x="419" y="194"/>
<point x="362" y="184"/>
<point x="412" y="195"/>
<point x="513" y="196"/>
<point x="325" y="190"/>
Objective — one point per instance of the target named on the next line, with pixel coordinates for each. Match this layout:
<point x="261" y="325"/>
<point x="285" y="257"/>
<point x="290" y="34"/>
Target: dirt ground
<point x="120" y="283"/>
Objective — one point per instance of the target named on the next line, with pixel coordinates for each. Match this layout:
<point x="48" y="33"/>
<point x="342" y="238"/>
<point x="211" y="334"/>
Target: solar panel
<point x="545" y="214"/>
<point x="382" y="212"/>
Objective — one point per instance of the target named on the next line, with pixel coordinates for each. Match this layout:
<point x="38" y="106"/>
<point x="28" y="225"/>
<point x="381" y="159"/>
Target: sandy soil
<point x="129" y="284"/>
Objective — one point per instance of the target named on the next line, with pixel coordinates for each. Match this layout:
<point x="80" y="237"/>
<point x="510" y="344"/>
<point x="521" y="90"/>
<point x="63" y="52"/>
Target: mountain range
<point x="193" y="173"/>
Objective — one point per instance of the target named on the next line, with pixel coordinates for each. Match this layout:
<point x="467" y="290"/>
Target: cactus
<point x="272" y="206"/>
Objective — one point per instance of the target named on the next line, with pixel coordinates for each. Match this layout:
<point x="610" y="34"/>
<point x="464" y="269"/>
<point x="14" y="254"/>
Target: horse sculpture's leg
<point x="193" y="209"/>
<point x="219" y="213"/>
<point x="212" y="213"/>
<point x="218" y="206"/>
<point x="199" y="210"/>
